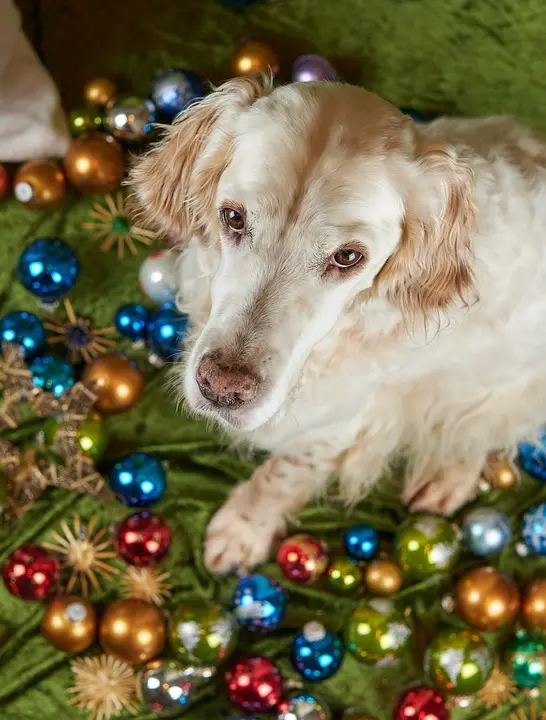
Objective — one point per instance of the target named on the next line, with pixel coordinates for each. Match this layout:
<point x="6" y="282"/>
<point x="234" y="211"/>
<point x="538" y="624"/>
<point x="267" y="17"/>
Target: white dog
<point x="358" y="285"/>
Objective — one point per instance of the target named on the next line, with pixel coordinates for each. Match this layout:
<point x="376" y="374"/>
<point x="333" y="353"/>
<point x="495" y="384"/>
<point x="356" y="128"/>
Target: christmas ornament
<point x="132" y="321"/>
<point x="532" y="456"/>
<point x="425" y="545"/>
<point x="146" y="583"/>
<point x="52" y="374"/>
<point x="415" y="115"/>
<point x="104" y="687"/>
<point x="48" y="268"/>
<point x="316" y="653"/>
<point x="259" y="603"/>
<point x="138" y="480"/>
<point x="31" y="573"/>
<point x="166" y="332"/>
<point x="84" y="120"/>
<point x="534" y="607"/>
<point x="500" y="472"/>
<point x="254" y="684"/>
<point x="24" y="330"/>
<point x="361" y="541"/>
<point x="174" y="90"/>
<point x="376" y="632"/>
<point x="116" y="381"/>
<point x="157" y="277"/>
<point x="486" y="599"/>
<point x="79" y="336"/>
<point x="132" y="630"/>
<point x="527" y="656"/>
<point x="40" y="185"/>
<point x="94" y="164"/>
<point x="458" y="661"/>
<point x="130" y="118"/>
<point x="90" y="435"/>
<point x="201" y="633"/>
<point x="383" y="577"/>
<point x="85" y="552"/>
<point x="344" y="575"/>
<point x="486" y="531"/>
<point x="69" y="623"/>
<point x="532" y="713"/>
<point x="254" y="58"/>
<point x="498" y="690"/>
<point x="302" y="558"/>
<point x="4" y="182"/>
<point x="313" y="68"/>
<point x="166" y="686"/>
<point x="303" y="705"/>
<point x="98" y="92"/>
<point x="143" y="539"/>
<point x="112" y="223"/>
<point x="533" y="528"/>
<point x="421" y="703"/>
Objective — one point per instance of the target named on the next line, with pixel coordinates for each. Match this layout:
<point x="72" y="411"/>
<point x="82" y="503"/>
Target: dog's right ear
<point x="175" y="182"/>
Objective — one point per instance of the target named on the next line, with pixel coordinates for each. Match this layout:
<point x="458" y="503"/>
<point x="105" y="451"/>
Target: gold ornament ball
<point x="486" y="599"/>
<point x="40" y="185"/>
<point x="94" y="164"/>
<point x="383" y="577"/>
<point x="117" y="383"/>
<point x="132" y="630"/>
<point x="253" y="58"/>
<point x="69" y="624"/>
<point x="534" y="607"/>
<point x="500" y="472"/>
<point x="99" y="92"/>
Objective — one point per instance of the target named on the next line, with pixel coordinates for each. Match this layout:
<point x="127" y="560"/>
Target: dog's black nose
<point x="225" y="384"/>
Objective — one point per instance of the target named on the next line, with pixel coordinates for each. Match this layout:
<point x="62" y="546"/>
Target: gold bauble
<point x="94" y="164"/>
<point x="40" y="185"/>
<point x="99" y="92"/>
<point x="132" y="630"/>
<point x="500" y="472"/>
<point x="253" y="58"/>
<point x="117" y="383"/>
<point x="69" y="623"/>
<point x="383" y="577"/>
<point x="534" y="607"/>
<point x="486" y="599"/>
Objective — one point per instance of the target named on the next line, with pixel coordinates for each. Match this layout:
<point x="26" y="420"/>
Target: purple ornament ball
<point x="313" y="68"/>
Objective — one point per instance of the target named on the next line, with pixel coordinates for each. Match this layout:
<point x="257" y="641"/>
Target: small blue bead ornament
<point x="138" y="479"/>
<point x="361" y="541"/>
<point x="25" y="330"/>
<point x="174" y="90"/>
<point x="132" y="321"/>
<point x="532" y="456"/>
<point x="259" y="603"/>
<point x="52" y="374"/>
<point x="486" y="531"/>
<point x="316" y="653"/>
<point x="166" y="331"/>
<point x="533" y="529"/>
<point x="48" y="268"/>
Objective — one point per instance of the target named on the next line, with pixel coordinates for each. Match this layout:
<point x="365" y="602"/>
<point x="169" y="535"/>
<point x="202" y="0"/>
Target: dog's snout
<point x="225" y="384"/>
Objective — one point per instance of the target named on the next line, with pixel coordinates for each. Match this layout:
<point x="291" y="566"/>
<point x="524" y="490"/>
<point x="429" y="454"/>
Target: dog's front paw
<point x="443" y="493"/>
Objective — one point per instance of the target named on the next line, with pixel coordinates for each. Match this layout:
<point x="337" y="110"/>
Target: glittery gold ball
<point x="94" y="164"/>
<point x="99" y="92"/>
<point x="486" y="599"/>
<point x="500" y="472"/>
<point x="383" y="577"/>
<point x="534" y="607"/>
<point x="253" y="58"/>
<point x="132" y="630"/>
<point x="117" y="383"/>
<point x="69" y="624"/>
<point x="40" y="185"/>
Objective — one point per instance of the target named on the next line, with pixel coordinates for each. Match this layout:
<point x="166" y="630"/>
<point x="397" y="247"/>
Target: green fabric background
<point x="454" y="56"/>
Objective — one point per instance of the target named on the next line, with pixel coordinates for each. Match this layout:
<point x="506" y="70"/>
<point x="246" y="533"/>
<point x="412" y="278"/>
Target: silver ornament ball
<point x="303" y="705"/>
<point x="168" y="687"/>
<point x="130" y="119"/>
<point x="157" y="277"/>
<point x="486" y="531"/>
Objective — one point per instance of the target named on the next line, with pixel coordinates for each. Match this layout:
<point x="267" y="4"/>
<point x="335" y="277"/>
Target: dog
<point x="359" y="285"/>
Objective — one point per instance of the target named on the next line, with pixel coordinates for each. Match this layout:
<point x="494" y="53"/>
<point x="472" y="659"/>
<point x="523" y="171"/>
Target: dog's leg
<point x="443" y="491"/>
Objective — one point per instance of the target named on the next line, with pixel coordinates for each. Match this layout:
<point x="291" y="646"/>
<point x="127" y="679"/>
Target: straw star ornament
<point x="79" y="335"/>
<point x="104" y="686"/>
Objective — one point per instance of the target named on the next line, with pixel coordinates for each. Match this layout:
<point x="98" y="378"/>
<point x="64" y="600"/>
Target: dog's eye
<point x="346" y="258"/>
<point x="233" y="219"/>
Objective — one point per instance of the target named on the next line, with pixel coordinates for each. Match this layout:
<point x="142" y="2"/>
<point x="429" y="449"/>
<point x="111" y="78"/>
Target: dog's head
<point x="311" y="195"/>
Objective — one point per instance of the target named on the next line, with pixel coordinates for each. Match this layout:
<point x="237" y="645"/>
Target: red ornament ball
<point x="31" y="573"/>
<point x="302" y="558"/>
<point x="254" y="684"/>
<point x="4" y="182"/>
<point x="143" y="539"/>
<point x="421" y="703"/>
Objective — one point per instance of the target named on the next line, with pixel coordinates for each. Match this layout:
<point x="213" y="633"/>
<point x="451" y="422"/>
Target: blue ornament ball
<point x="316" y="653"/>
<point x="52" y="374"/>
<point x="138" y="479"/>
<point x="533" y="528"/>
<point x="486" y="531"/>
<point x="174" y="90"/>
<point x="259" y="603"/>
<point x="415" y="115"/>
<point x="361" y="541"/>
<point x="132" y="321"/>
<point x="48" y="268"/>
<point x="166" y="331"/>
<point x="532" y="456"/>
<point x="25" y="330"/>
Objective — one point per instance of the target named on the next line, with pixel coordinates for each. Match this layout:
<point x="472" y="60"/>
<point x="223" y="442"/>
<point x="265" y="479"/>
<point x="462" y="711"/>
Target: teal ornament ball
<point x="52" y="374"/>
<point x="361" y="541"/>
<point x="166" y="332"/>
<point x="25" y="330"/>
<point x="132" y="321"/>
<point x="527" y="657"/>
<point x="486" y="531"/>
<point x="316" y="653"/>
<point x="48" y="268"/>
<point x="138" y="479"/>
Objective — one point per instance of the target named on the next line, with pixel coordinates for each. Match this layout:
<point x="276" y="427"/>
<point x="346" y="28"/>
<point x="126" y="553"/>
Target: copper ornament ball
<point x="94" y="164"/>
<point x="132" y="630"/>
<point x="69" y="623"/>
<point x="99" y="91"/>
<point x="486" y="599"/>
<point x="383" y="577"/>
<point x="40" y="185"/>
<point x="116" y="381"/>
<point x="253" y="58"/>
<point x="534" y="607"/>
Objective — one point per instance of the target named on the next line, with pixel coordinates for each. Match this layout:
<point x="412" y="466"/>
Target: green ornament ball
<point x="344" y="575"/>
<point x="377" y="633"/>
<point x="91" y="435"/>
<point x="204" y="634"/>
<point x="425" y="545"/>
<point x="84" y="120"/>
<point x="458" y="662"/>
<point x="527" y="656"/>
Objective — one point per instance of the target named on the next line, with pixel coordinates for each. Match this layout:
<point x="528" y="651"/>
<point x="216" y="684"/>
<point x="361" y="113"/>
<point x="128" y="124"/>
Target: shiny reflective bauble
<point x="25" y="330"/>
<point x="84" y="120"/>
<point x="40" y="185"/>
<point x="316" y="653"/>
<point x="157" y="277"/>
<point x="94" y="164"/>
<point x="533" y="529"/>
<point x="138" y="479"/>
<point x="254" y="58"/>
<point x="421" y="703"/>
<point x="52" y="374"/>
<point x="344" y="575"/>
<point x="4" y="182"/>
<point x="500" y="472"/>
<point x="302" y="558"/>
<point x="143" y="539"/>
<point x="377" y="632"/>
<point x="254" y="684"/>
<point x="99" y="91"/>
<point x="458" y="662"/>
<point x="259" y="603"/>
<point x="48" y="268"/>
<point x="116" y="381"/>
<point x="166" y="332"/>
<point x="130" y="118"/>
<point x="313" y="68"/>
<point x="174" y="90"/>
<point x="534" y="607"/>
<point x="69" y="623"/>
<point x="132" y="630"/>
<point x="203" y="633"/>
<point x="532" y="456"/>
<point x="91" y="435"/>
<point x="303" y="705"/>
<point x="527" y="657"/>
<point x="425" y="545"/>
<point x="486" y="531"/>
<point x="31" y="573"/>
<point x="167" y="686"/>
<point x="383" y="578"/>
<point x="486" y="599"/>
<point x="361" y="541"/>
<point x="132" y="321"/>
